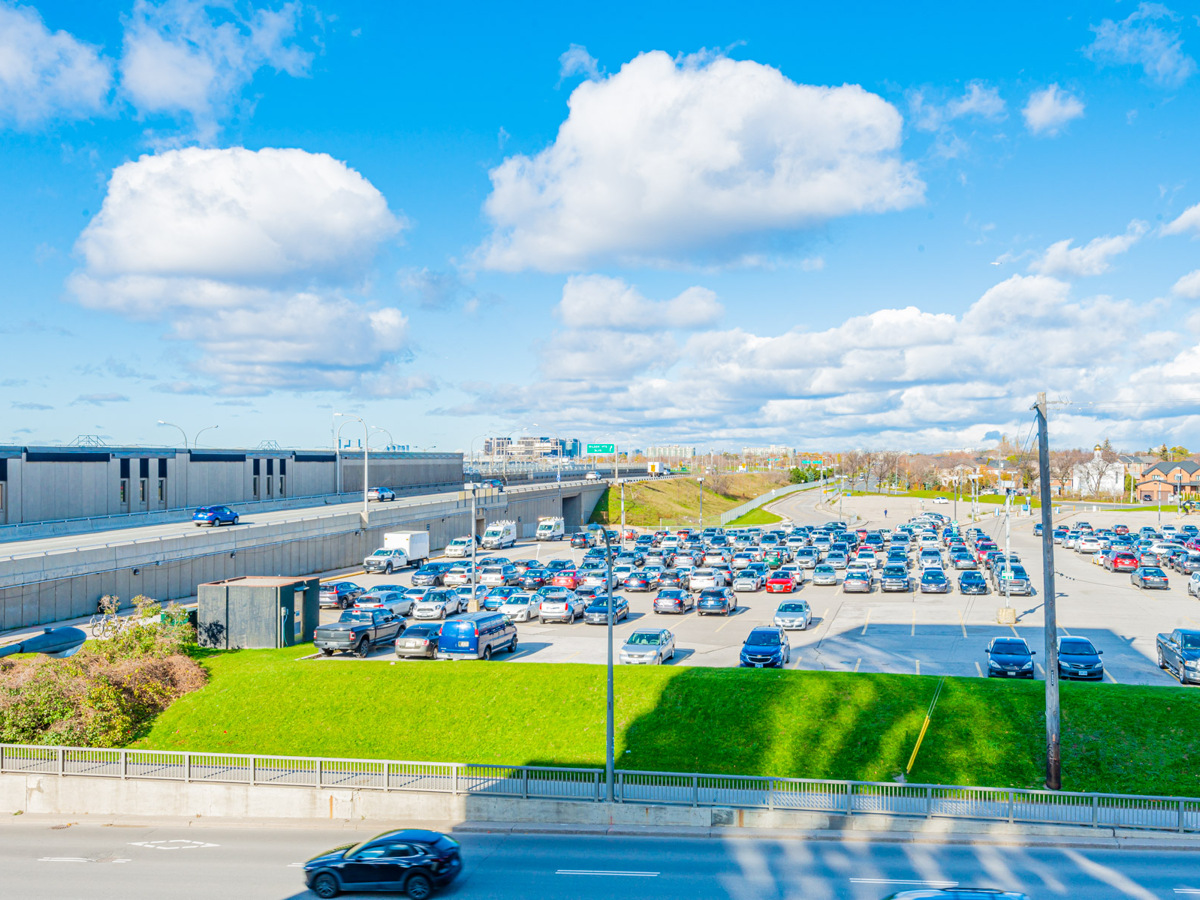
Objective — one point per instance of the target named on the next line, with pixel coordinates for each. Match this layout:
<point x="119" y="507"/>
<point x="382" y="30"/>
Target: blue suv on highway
<point x="214" y="516"/>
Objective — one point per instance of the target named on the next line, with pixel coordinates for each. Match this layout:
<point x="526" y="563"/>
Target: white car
<point x="940" y="500"/>
<point x="460" y="574"/>
<point x="748" y="580"/>
<point x="438" y="603"/>
<point x="793" y="614"/>
<point x="521" y="607"/>
<point x="560" y="605"/>
<point x="648" y="647"/>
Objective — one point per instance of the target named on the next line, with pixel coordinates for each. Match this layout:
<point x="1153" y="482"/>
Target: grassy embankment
<point x="676" y="501"/>
<point x="1116" y="738"/>
<point x="758" y="516"/>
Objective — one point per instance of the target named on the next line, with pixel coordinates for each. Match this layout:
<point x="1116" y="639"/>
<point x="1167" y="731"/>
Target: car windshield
<point x="763" y="639"/>
<point x="1153" y="572"/>
<point x="352" y="616"/>
<point x="1076" y="647"/>
<point x="647" y="638"/>
<point x="792" y="607"/>
<point x="824" y="570"/>
<point x="1189" y="641"/>
<point x="932" y="575"/>
<point x="1015" y="648"/>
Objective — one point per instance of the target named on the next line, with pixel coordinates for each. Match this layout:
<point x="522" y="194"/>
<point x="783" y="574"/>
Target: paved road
<point x="132" y="863"/>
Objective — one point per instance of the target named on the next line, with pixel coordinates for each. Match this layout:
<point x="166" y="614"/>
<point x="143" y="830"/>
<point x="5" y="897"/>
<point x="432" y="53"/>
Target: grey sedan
<point x="648" y="647"/>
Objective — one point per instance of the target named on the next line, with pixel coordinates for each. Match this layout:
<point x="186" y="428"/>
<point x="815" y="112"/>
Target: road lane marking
<point x="935" y="884"/>
<point x="1108" y="675"/>
<point x="856" y="663"/>
<point x="918" y="662"/>
<point x="1187" y="890"/>
<point x="70" y="859"/>
<point x="606" y="872"/>
<point x="1014" y="631"/>
<point x="1041" y="669"/>
<point x="962" y="624"/>
<point x="1064" y="631"/>
<point x="977" y="669"/>
<point x="177" y="844"/>
<point x="868" y="622"/>
<point x="913" y="633"/>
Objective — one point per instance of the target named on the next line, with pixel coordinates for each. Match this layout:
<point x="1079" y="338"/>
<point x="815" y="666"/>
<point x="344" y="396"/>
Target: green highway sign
<point x="601" y="448"/>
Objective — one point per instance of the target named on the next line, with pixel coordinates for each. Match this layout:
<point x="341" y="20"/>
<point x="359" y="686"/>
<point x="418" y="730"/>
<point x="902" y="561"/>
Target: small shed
<point x="257" y="612"/>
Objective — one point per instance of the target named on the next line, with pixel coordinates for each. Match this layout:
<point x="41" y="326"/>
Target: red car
<point x="567" y="578"/>
<point x="1120" y="529"/>
<point x="1121" y="562"/>
<point x="780" y="584"/>
<point x="982" y="550"/>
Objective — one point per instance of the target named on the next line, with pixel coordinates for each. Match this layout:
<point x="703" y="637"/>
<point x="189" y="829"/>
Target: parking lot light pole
<point x="609" y="743"/>
<point x="1049" y="604"/>
<point x="474" y="580"/>
<point x="701" y="480"/>
<point x="366" y="458"/>
<point x="181" y="431"/>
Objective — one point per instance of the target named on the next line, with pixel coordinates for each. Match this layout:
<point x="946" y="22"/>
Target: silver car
<point x="648" y="647"/>
<point x="747" y="580"/>
<point x="793" y="614"/>
<point x="824" y="574"/>
<point x="521" y="607"/>
<point x="560" y="605"/>
<point x="438" y="604"/>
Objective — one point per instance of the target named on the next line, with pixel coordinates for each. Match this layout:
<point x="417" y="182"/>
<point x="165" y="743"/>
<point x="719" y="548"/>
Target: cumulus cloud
<point x="24" y="404"/>
<point x="46" y="75"/>
<point x="183" y="57"/>
<point x="250" y="256"/>
<point x="1142" y="40"/>
<point x="669" y="160"/>
<point x="1061" y="258"/>
<point x="1049" y="109"/>
<point x="577" y="61"/>
<point x="1188" y="286"/>
<point x="595" y="301"/>
<point x="1189" y="220"/>
<point x="907" y="377"/>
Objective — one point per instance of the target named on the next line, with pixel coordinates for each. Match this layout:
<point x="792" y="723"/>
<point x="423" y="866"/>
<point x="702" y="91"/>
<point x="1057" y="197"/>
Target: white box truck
<point x="499" y="535"/>
<point x="654" y="468"/>
<point x="550" y="528"/>
<point x="400" y="549"/>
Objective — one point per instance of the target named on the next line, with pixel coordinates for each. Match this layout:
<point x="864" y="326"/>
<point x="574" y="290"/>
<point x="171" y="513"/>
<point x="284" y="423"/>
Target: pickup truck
<point x="1179" y="652"/>
<point x="356" y="631"/>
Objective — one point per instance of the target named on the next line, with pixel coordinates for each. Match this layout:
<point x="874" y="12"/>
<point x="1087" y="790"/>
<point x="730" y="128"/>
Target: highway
<point x="135" y="862"/>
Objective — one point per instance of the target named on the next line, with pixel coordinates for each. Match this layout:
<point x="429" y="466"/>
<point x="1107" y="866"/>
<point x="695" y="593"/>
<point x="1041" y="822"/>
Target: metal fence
<point x="738" y="511"/>
<point x="847" y="798"/>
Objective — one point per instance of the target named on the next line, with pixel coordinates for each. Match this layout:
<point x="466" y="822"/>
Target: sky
<point x="801" y="224"/>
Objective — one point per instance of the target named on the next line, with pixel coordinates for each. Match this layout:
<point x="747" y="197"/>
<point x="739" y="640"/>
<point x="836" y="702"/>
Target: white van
<point x="500" y="535"/>
<point x="459" y="547"/>
<point x="551" y="528"/>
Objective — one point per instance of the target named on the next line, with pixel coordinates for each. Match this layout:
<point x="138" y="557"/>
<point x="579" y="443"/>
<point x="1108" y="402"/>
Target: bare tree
<point x="1096" y="470"/>
<point x="1063" y="463"/>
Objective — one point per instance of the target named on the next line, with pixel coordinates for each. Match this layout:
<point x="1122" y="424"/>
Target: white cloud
<point x="577" y="61"/>
<point x="1092" y="258"/>
<point x="670" y="160"/>
<point x="1049" y="109"/>
<point x="1189" y="220"/>
<point x="194" y="58"/>
<point x="595" y="301"/>
<point x="979" y="100"/>
<point x="899" y="377"/>
<point x="46" y="75"/>
<point x="250" y="256"/>
<point x="1188" y="286"/>
<point x="1139" y="40"/>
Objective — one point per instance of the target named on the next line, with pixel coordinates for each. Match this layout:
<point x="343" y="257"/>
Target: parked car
<point x="972" y="582"/>
<point x="438" y="604"/>
<point x="1012" y="579"/>
<point x="1179" y="651"/>
<point x="214" y="516"/>
<point x="500" y="576"/>
<point x="339" y="594"/>
<point x="716" y="601"/>
<point x="357" y="631"/>
<point x="1009" y="657"/>
<point x="856" y="582"/>
<point x="638" y="581"/>
<point x="824" y="574"/>
<point x="1079" y="658"/>
<point x="748" y="579"/>
<point x="581" y="540"/>
<point x="781" y="582"/>
<point x="559" y="604"/>
<point x="894" y="578"/>
<point x="648" y="647"/>
<point x="411" y="862"/>
<point x="395" y="602"/>
<point x="431" y="574"/>
<point x="765" y="648"/>
<point x="674" y="600"/>
<point x="1150" y="577"/>
<point x="793" y="614"/>
<point x="477" y="635"/>
<point x="381" y="494"/>
<point x="1120" y="561"/>
<point x="956" y="894"/>
<point x="596" y="612"/>
<point x="934" y="581"/>
<point x="491" y="599"/>
<point x="419" y="640"/>
<point x="521" y="606"/>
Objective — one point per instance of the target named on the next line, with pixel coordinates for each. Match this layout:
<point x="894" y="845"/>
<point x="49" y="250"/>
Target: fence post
<point x="1095" y="810"/>
<point x="771" y="794"/>
<point x="454" y="782"/>
<point x="620" y="788"/>
<point x="695" y="790"/>
<point x="1181" y="816"/>
<point x="61" y="770"/>
<point x="320" y="773"/>
<point x="928" y="802"/>
<point x="1011" y="796"/>
<point x="124" y="764"/>
<point x="187" y="767"/>
<point x="525" y="782"/>
<point x="253" y="770"/>
<point x="849" y="798"/>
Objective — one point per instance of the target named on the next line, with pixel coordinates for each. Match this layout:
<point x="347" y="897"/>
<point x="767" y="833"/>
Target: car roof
<point x="409" y="834"/>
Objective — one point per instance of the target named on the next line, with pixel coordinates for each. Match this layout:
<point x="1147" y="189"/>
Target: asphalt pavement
<point x="137" y="862"/>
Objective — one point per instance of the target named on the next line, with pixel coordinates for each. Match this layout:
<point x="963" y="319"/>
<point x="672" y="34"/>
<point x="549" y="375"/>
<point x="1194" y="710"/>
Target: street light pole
<point x="1049" y="605"/>
<point x="366" y="459"/>
<point x="196" y="439"/>
<point x="474" y="571"/>
<point x="181" y="431"/>
<point x="701" y="480"/>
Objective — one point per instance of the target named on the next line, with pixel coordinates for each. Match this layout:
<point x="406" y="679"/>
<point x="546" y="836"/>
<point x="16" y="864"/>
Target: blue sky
<point x="656" y="223"/>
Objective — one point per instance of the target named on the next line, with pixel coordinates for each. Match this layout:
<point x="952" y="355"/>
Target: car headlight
<point x="1193" y="663"/>
<point x="1028" y="665"/>
<point x="992" y="664"/>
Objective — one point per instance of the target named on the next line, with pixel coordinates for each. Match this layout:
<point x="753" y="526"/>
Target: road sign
<point x="601" y="448"/>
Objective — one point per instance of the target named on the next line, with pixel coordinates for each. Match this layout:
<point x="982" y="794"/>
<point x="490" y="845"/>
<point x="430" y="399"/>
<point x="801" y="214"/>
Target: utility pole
<point x="474" y="607"/>
<point x="622" y="515"/>
<point x="1053" y="735"/>
<point x="701" y="480"/>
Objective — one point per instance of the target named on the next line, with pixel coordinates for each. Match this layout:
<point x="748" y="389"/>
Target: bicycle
<point x="105" y="622"/>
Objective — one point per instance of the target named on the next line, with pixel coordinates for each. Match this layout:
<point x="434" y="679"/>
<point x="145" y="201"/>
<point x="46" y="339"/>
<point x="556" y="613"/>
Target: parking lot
<point x="913" y="633"/>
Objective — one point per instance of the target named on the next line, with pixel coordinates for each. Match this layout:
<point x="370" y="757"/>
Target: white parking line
<point x="962" y="623"/>
<point x="933" y="884"/>
<point x="1108" y="675"/>
<point x="606" y="872"/>
<point x="918" y="662"/>
<point x="867" y="622"/>
<point x="978" y="669"/>
<point x="913" y="633"/>
<point x="1041" y="668"/>
<point x="857" y="662"/>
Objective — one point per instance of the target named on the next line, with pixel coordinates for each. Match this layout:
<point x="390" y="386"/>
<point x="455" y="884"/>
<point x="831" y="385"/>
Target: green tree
<point x="1178" y="454"/>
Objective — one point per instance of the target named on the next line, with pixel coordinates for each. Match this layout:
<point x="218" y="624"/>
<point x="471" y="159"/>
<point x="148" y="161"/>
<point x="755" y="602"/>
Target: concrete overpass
<point x="52" y="578"/>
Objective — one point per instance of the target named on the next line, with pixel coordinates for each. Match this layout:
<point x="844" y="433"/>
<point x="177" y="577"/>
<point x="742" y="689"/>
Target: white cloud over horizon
<point x="47" y="75"/>
<point x="1093" y="258"/>
<point x="670" y="161"/>
<point x="596" y="301"/>
<point x="980" y="100"/>
<point x="1141" y="40"/>
<point x="1188" y="286"/>
<point x="252" y="257"/>
<point x="1049" y="110"/>
<point x="1188" y="220"/>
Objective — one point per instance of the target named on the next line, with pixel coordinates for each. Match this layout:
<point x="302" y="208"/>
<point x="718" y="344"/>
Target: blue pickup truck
<point x="1179" y="653"/>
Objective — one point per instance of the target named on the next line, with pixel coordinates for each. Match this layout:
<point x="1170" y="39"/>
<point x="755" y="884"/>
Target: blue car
<point x="766" y="648"/>
<point x="214" y="516"/>
<point x="972" y="582"/>
<point x="1079" y="658"/>
<point x="1009" y="658"/>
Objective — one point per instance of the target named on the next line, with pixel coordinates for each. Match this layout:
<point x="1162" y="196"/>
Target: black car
<point x="1145" y="576"/>
<point x="431" y="574"/>
<point x="1079" y="658"/>
<point x="765" y="648"/>
<point x="596" y="612"/>
<point x="411" y="861"/>
<point x="534" y="579"/>
<point x="1009" y="658"/>
<point x="972" y="582"/>
<point x="580" y="541"/>
<point x="339" y="594"/>
<point x="672" y="579"/>
<point x="524" y="565"/>
<point x="714" y="601"/>
<point x="673" y="600"/>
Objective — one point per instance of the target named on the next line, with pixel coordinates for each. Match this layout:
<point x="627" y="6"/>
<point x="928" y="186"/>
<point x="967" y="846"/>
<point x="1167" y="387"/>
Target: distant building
<point x="1164" y="482"/>
<point x="670" y="451"/>
<point x="528" y="447"/>
<point x="1099" y="475"/>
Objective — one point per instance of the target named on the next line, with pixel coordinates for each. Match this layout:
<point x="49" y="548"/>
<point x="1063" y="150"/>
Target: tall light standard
<point x="609" y="741"/>
<point x="391" y="440"/>
<point x="196" y="439"/>
<point x="474" y="606"/>
<point x="366" y="457"/>
<point x="701" y="481"/>
<point x="337" y="441"/>
<point x="181" y="431"/>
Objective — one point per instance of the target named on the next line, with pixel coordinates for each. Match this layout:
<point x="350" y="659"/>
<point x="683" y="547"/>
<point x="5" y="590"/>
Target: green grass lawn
<point x="676" y="501"/>
<point x="1116" y="738"/>
<point x="755" y="517"/>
